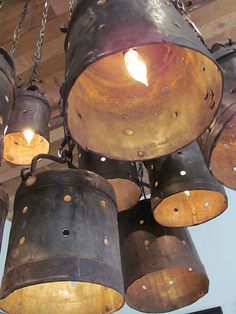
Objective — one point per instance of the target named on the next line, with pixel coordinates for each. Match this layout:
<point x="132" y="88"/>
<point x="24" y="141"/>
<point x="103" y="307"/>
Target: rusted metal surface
<point x="7" y="92"/>
<point x="161" y="268"/>
<point x="183" y="191"/>
<point x="4" y="206"/>
<point x="31" y="111"/>
<point x="122" y="175"/>
<point x="64" y="247"/>
<point x="219" y="142"/>
<point x="110" y="113"/>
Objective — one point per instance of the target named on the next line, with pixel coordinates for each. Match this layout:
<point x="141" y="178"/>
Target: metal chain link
<point x="179" y="4"/>
<point x="71" y="7"/>
<point x="38" y="54"/>
<point x="140" y="176"/>
<point x="17" y="31"/>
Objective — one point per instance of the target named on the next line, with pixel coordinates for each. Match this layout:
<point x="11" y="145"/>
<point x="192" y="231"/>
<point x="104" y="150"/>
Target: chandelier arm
<point x="17" y="31"/>
<point x="38" y="54"/>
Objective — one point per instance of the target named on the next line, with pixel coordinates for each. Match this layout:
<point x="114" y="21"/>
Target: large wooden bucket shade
<point x="122" y="175"/>
<point x="183" y="191"/>
<point x="32" y="112"/>
<point x="219" y="141"/>
<point x="161" y="268"/>
<point x="7" y="92"/>
<point x="110" y="113"/>
<point x="63" y="254"/>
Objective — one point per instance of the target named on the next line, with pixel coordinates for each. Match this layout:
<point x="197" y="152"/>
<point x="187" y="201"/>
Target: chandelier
<point x="149" y="123"/>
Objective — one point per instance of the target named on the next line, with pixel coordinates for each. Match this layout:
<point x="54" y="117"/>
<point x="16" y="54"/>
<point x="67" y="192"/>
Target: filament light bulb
<point x="136" y="66"/>
<point x="29" y="135"/>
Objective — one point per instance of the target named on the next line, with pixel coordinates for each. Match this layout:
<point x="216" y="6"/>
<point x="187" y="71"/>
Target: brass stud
<point x="103" y="204"/>
<point x="140" y="154"/>
<point x="102" y="27"/>
<point x="206" y="204"/>
<point x="25" y="209"/>
<point x="106" y="242"/>
<point x="101" y="2"/>
<point x="22" y="240"/>
<point x="146" y="242"/>
<point x="67" y="198"/>
<point x="128" y="132"/>
<point x="141" y="222"/>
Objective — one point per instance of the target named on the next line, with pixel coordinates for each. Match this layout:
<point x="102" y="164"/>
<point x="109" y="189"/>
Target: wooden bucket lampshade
<point x="4" y="206"/>
<point x="125" y="73"/>
<point x="7" y="92"/>
<point x="28" y="131"/>
<point x="122" y="175"/>
<point x="219" y="142"/>
<point x="183" y="191"/>
<point x="63" y="254"/>
<point x="161" y="268"/>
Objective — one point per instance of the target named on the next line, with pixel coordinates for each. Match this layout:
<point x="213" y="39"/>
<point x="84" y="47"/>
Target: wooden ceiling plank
<point x="32" y="20"/>
<point x="59" y="6"/>
<point x="223" y="37"/>
<point x="213" y="11"/>
<point x="219" y="26"/>
<point x="52" y="31"/>
<point x="51" y="49"/>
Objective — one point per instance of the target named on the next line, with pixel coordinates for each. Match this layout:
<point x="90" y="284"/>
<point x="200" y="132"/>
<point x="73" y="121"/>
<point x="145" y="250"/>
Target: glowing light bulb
<point x="136" y="66"/>
<point x="29" y="135"/>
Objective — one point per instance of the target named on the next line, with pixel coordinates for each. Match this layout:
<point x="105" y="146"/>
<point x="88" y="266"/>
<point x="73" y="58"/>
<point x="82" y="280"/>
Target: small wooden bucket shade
<point x="114" y="114"/>
<point x="7" y="92"/>
<point x="161" y="268"/>
<point x="4" y="205"/>
<point x="122" y="175"/>
<point x="63" y="254"/>
<point x="31" y="113"/>
<point x="219" y="141"/>
<point x="183" y="191"/>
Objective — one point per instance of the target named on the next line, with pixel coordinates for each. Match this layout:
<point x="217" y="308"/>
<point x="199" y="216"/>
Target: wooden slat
<point x="213" y="11"/>
<point x="32" y="20"/>
<point x="59" y="6"/>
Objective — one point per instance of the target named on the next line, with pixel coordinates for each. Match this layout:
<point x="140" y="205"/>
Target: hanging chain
<point x="38" y="54"/>
<point x="17" y="31"/>
<point x="71" y="7"/>
<point x="140" y="176"/>
<point x="179" y="4"/>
